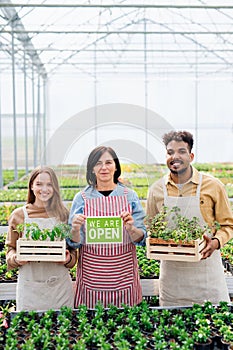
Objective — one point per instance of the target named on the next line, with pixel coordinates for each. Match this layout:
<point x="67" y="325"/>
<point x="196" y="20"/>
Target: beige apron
<point x="43" y="285"/>
<point x="185" y="283"/>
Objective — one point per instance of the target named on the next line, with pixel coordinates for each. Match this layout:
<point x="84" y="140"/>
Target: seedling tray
<point x="51" y="251"/>
<point x="160" y="249"/>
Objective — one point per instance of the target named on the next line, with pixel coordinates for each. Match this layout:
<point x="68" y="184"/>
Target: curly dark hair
<point x="93" y="158"/>
<point x="179" y="136"/>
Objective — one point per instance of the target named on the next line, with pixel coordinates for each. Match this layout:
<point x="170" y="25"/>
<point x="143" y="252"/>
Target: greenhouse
<point x="116" y="174"/>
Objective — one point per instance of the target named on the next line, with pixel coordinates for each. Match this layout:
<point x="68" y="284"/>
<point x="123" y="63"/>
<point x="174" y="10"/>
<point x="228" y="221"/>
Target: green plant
<point x="11" y="339"/>
<point x="178" y="321"/>
<point x="94" y="337"/>
<point x="227" y="334"/>
<point x="5" y="212"/>
<point x="62" y="343"/>
<point x="158" y="339"/>
<point x="28" y="345"/>
<point x="141" y="344"/>
<point x="146" y="323"/>
<point x="209" y="308"/>
<point x="122" y="344"/>
<point x="179" y="228"/>
<point x="58" y="232"/>
<point x="82" y="318"/>
<point x="148" y="268"/>
<point x="80" y="345"/>
<point x="224" y="306"/>
<point x="201" y="335"/>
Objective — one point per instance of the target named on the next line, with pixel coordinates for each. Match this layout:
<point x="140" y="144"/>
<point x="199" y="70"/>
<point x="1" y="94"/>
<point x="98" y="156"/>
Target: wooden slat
<point x="30" y="250"/>
<point x="169" y="250"/>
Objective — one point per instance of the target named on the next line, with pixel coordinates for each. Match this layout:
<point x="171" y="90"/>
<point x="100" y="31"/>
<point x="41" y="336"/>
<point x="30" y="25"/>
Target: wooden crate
<point x="160" y="249"/>
<point x="30" y="250"/>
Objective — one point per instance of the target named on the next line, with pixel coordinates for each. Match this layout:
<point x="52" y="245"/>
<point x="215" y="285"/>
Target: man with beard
<point x="197" y="195"/>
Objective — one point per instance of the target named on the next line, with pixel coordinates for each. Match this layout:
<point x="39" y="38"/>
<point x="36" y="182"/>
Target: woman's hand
<point x="135" y="233"/>
<point x="127" y="220"/>
<point x="68" y="259"/>
<point x="19" y="263"/>
<point x="78" y="221"/>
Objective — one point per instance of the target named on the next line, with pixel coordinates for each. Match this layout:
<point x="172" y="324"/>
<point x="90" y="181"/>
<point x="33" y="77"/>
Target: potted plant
<point x="145" y="323"/>
<point x="158" y="341"/>
<point x="227" y="337"/>
<point x="201" y="338"/>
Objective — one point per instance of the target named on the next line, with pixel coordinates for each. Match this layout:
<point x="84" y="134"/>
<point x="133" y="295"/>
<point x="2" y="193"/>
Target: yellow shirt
<point x="214" y="203"/>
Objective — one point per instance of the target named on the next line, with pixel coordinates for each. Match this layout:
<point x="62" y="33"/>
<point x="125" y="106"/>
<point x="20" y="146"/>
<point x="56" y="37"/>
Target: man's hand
<point x="211" y="245"/>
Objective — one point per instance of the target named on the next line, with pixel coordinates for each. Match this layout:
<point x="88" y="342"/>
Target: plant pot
<point x="204" y="346"/>
<point x="224" y="345"/>
<point x="216" y="339"/>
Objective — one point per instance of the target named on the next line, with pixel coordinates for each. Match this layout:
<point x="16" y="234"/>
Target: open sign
<point x="104" y="229"/>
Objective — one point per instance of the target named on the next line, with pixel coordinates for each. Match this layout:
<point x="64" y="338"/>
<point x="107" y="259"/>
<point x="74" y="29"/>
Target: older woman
<point x="107" y="272"/>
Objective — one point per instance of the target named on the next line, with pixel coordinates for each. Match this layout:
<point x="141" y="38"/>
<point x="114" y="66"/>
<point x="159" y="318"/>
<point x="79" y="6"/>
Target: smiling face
<point x="105" y="168"/>
<point x="179" y="158"/>
<point x="42" y="188"/>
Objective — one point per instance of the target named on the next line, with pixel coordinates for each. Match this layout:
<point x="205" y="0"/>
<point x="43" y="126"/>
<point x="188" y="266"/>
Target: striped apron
<point x="108" y="272"/>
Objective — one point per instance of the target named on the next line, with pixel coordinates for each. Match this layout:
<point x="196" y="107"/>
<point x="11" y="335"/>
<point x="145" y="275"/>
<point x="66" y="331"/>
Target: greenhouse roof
<point x="96" y="38"/>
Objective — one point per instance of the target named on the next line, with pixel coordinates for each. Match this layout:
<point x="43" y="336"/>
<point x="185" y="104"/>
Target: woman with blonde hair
<point x="41" y="285"/>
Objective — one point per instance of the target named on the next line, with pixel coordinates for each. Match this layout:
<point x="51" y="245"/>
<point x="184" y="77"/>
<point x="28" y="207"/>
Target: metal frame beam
<point x="123" y="5"/>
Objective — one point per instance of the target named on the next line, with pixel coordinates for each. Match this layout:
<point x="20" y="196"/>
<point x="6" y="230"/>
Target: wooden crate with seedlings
<point x="160" y="249"/>
<point x="32" y="250"/>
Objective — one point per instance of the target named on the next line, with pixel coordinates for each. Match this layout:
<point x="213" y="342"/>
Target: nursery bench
<point x="149" y="288"/>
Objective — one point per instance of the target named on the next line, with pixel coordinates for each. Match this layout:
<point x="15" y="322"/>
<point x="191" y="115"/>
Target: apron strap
<point x="164" y="186"/>
<point x="198" y="190"/>
<point x="83" y="194"/>
<point x="126" y="191"/>
<point x="25" y="212"/>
